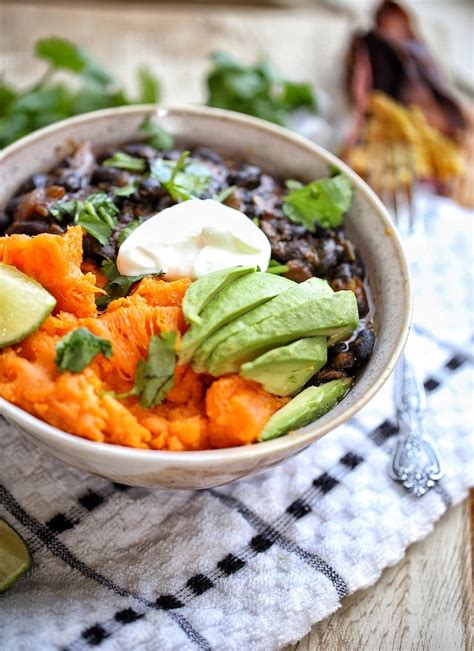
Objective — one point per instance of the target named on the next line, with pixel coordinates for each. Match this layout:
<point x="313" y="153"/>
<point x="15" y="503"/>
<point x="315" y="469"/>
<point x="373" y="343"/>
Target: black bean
<point x="151" y="188"/>
<point x="342" y="361"/>
<point x="34" y="227"/>
<point x="208" y="154"/>
<point x="140" y="150"/>
<point x="363" y="345"/>
<point x="110" y="175"/>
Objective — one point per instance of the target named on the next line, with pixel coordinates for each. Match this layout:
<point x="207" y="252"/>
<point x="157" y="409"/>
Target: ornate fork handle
<point x="416" y="463"/>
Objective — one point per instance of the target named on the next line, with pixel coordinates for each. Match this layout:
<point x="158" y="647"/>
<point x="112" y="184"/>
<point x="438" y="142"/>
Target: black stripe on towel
<point x="58" y="549"/>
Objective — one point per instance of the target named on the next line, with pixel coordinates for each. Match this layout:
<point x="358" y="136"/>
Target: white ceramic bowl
<point x="277" y="151"/>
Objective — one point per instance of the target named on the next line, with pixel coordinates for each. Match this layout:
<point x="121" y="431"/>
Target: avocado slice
<point x="283" y="371"/>
<point x="203" y="290"/>
<point x="242" y="295"/>
<point x="295" y="294"/>
<point x="320" y="315"/>
<point x="306" y="407"/>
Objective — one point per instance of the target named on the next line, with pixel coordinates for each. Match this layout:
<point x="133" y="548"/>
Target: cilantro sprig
<point x="154" y="377"/>
<point x="184" y="179"/>
<point x="322" y="202"/>
<point x="124" y="161"/>
<point x="256" y="90"/>
<point x="118" y="286"/>
<point x="77" y="349"/>
<point x="155" y="135"/>
<point x="97" y="214"/>
<point x="49" y="100"/>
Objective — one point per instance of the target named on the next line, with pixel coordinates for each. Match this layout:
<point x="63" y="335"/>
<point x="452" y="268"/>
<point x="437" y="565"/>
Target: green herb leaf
<point x="126" y="190"/>
<point x="64" y="209"/>
<point x="129" y="228"/>
<point x="225" y="193"/>
<point x="184" y="179"/>
<point x="47" y="101"/>
<point x="149" y="87"/>
<point x="63" y="54"/>
<point x="277" y="269"/>
<point x="78" y="348"/>
<point x="97" y="215"/>
<point x="154" y="378"/>
<point x="118" y="286"/>
<point x="256" y="90"/>
<point x="156" y="136"/>
<point x="125" y="162"/>
<point x="322" y="202"/>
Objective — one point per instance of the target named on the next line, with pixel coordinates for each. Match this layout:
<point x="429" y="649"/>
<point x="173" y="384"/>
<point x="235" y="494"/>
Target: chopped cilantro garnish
<point x="184" y="179"/>
<point x="225" y="193"/>
<point x="155" y="376"/>
<point x="96" y="214"/>
<point x="118" y="286"/>
<point x="78" y="348"/>
<point x="322" y="202"/>
<point x="275" y="267"/>
<point x="125" y="162"/>
<point x="156" y="136"/>
<point x="126" y="190"/>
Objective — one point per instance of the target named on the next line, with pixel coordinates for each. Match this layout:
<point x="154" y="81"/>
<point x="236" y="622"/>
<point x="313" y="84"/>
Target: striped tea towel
<point x="251" y="565"/>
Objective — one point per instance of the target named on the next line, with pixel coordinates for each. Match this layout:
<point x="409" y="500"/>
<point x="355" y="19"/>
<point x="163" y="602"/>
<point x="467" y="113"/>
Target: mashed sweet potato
<point x="198" y="412"/>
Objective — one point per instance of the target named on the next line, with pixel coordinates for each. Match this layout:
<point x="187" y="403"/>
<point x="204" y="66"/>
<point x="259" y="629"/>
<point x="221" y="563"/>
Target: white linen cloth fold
<point x="255" y="564"/>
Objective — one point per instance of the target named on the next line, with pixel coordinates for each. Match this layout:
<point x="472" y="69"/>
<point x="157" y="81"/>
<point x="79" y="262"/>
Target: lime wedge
<point x="24" y="305"/>
<point x="15" y="559"/>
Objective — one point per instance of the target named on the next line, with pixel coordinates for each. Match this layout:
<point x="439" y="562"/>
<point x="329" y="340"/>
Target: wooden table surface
<point x="423" y="603"/>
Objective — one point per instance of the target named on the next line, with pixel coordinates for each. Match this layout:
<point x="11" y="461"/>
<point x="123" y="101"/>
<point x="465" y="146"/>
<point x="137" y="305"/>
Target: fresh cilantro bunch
<point x="46" y="101"/>
<point x="256" y="90"/>
<point x="322" y="202"/>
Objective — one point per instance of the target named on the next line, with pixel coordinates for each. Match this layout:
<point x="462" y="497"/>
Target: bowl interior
<point x="278" y="152"/>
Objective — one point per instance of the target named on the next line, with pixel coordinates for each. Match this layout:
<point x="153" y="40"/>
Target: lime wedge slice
<point x="24" y="305"/>
<point x="15" y="559"/>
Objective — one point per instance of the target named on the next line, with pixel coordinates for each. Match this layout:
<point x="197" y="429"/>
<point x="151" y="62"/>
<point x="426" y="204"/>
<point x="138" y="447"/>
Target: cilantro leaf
<point x="126" y="190"/>
<point x="256" y="90"/>
<point x="118" y="286"/>
<point x="125" y="162"/>
<point x="154" y="378"/>
<point x="322" y="202"/>
<point x="275" y="267"/>
<point x="78" y="348"/>
<point x="97" y="214"/>
<point x="184" y="179"/>
<point x="157" y="376"/>
<point x="149" y="87"/>
<point x="225" y="193"/>
<point x="156" y="136"/>
<point x="63" y="54"/>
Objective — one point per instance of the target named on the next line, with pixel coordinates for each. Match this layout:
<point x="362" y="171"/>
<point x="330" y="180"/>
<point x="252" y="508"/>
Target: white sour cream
<point x="192" y="239"/>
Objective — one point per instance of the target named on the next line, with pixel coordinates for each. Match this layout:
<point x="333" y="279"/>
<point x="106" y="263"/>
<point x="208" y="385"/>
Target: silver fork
<point x="416" y="462"/>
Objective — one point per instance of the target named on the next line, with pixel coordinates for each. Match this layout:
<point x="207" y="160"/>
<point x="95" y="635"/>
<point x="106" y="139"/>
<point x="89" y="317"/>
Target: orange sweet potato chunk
<point x="55" y="262"/>
<point x="238" y="409"/>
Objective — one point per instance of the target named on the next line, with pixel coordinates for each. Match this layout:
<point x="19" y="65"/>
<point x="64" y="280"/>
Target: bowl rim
<point x="24" y="419"/>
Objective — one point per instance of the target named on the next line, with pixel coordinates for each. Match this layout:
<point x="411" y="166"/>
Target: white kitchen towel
<point x="251" y="565"/>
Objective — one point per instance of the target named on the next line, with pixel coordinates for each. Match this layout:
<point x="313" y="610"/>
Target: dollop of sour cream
<point x="192" y="239"/>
